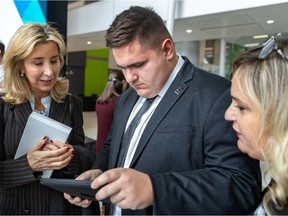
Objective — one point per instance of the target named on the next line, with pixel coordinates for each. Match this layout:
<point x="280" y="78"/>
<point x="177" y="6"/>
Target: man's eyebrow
<point x="132" y="65"/>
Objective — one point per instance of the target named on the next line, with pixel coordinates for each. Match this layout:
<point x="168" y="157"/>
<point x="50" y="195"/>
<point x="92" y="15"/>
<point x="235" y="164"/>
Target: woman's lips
<point x="238" y="134"/>
<point x="46" y="82"/>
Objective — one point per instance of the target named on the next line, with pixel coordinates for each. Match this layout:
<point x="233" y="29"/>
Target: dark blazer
<point x="188" y="149"/>
<point x="20" y="190"/>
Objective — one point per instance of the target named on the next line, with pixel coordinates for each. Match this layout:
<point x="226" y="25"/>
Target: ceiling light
<point x="260" y="36"/>
<point x="270" y="21"/>
<point x="189" y="31"/>
<point x="251" y="45"/>
<point x="89" y="42"/>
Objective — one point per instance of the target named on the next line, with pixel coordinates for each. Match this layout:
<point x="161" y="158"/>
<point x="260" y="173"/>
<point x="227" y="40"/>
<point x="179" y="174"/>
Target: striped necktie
<point x="130" y="131"/>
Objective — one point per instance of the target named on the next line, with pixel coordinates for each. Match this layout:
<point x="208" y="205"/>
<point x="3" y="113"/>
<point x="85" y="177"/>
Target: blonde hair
<point x="20" y="46"/>
<point x="264" y="81"/>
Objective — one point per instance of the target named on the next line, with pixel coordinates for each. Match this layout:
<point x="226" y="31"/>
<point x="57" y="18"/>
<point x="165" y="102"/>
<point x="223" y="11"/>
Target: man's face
<point x="146" y="70"/>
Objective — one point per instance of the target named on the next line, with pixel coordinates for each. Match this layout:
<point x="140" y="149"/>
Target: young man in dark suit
<point x="182" y="157"/>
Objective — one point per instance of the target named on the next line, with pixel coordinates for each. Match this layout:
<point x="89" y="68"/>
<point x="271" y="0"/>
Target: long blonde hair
<point x="264" y="81"/>
<point x="20" y="46"/>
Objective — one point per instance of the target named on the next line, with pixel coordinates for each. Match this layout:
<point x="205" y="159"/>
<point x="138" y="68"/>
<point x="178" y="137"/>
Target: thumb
<point x="39" y="145"/>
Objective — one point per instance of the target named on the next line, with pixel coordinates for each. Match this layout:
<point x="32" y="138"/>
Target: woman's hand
<point x="49" y="156"/>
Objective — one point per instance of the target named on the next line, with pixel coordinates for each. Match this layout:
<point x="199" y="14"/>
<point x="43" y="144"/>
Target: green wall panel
<point x="96" y="71"/>
<point x="234" y="51"/>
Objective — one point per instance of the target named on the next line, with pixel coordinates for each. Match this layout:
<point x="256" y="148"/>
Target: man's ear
<point x="168" y="48"/>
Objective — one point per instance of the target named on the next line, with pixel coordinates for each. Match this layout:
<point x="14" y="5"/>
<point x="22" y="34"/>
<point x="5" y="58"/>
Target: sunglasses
<point x="112" y="80"/>
<point x="269" y="47"/>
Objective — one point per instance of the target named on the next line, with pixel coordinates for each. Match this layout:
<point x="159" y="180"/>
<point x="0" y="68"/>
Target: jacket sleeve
<point x="13" y="172"/>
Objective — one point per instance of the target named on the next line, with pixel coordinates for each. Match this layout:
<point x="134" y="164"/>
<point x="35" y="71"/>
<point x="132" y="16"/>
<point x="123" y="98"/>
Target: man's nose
<point x="130" y="76"/>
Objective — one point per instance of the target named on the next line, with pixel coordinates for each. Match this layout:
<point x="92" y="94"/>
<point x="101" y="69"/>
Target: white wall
<point x="98" y="16"/>
<point x="10" y="20"/>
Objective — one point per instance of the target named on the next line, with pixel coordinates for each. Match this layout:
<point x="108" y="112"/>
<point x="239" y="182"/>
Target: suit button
<point x="26" y="211"/>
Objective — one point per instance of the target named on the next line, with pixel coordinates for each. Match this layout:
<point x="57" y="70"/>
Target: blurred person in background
<point x="105" y="103"/>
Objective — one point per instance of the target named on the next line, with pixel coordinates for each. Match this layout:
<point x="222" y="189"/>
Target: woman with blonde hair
<point x="32" y="82"/>
<point x="105" y="103"/>
<point x="259" y="114"/>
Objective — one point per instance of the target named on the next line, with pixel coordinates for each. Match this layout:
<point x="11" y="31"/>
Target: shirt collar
<point x="172" y="76"/>
<point x="46" y="101"/>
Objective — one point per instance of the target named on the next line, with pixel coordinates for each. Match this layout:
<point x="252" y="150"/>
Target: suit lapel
<point x="22" y="113"/>
<point x="58" y="112"/>
<point x="174" y="92"/>
<point x="120" y="127"/>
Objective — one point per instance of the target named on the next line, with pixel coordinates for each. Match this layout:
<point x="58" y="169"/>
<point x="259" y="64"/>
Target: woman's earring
<point x="22" y="74"/>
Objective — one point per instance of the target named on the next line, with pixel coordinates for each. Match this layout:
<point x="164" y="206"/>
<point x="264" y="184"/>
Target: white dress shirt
<point x="145" y="118"/>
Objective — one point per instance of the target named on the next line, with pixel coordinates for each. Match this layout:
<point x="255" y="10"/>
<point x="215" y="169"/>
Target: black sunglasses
<point x="269" y="47"/>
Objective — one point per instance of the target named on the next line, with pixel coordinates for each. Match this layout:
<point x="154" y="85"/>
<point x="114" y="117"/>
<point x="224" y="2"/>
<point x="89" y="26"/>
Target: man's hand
<point x="127" y="188"/>
<point x="88" y="175"/>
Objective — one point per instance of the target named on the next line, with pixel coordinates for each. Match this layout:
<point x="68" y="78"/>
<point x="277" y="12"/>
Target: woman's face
<point x="42" y="68"/>
<point x="246" y="122"/>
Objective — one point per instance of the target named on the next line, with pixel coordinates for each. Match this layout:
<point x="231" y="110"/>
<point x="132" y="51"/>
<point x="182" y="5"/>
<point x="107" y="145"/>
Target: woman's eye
<point x="240" y="107"/>
<point x="54" y="61"/>
<point x="38" y="63"/>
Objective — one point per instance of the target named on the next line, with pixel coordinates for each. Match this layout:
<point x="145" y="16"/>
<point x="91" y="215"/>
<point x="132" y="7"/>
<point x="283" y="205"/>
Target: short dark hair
<point x="140" y="23"/>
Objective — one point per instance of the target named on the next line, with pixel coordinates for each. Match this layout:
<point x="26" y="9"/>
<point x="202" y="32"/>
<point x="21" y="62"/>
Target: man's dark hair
<point x="140" y="23"/>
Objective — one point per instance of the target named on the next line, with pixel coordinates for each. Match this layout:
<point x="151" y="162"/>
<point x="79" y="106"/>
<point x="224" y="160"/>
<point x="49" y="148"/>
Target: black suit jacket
<point x="188" y="149"/>
<point x="20" y="190"/>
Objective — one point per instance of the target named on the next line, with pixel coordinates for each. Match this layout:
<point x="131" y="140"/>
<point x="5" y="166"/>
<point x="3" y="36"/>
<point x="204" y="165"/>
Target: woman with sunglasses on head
<point x="259" y="112"/>
<point x="104" y="107"/>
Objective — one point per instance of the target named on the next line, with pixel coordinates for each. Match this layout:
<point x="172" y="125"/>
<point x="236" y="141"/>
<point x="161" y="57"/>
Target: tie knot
<point x="151" y="99"/>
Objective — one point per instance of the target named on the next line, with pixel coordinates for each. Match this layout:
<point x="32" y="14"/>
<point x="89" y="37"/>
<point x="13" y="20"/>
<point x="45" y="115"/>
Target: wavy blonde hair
<point x="265" y="84"/>
<point x="20" y="46"/>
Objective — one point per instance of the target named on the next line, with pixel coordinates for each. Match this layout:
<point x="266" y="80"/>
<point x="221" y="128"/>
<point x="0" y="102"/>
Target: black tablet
<point x="79" y="188"/>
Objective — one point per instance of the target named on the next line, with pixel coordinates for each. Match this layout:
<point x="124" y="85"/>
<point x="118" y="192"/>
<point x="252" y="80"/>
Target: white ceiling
<point x="235" y="26"/>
